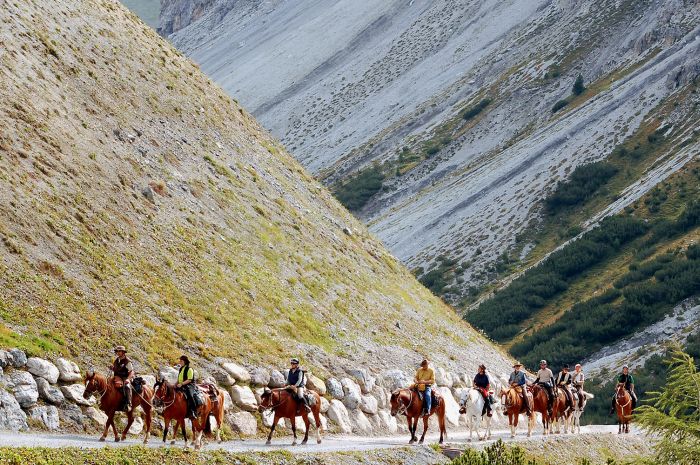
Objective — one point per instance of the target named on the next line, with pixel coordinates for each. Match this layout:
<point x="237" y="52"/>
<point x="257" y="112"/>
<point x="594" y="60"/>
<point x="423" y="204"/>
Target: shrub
<point x="578" y="87"/>
<point x="560" y="104"/>
<point x="356" y="192"/>
<point x="583" y="183"/>
<point x="474" y="110"/>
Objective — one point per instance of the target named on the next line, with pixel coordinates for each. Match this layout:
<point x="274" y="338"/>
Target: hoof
<point x="268" y="442"/>
<point x="294" y="444"/>
<point x="303" y="443"/>
<point x="172" y="443"/>
<point x="102" y="439"/>
<point x="469" y="440"/>
<point x="420" y="442"/>
<point x="318" y="441"/>
<point x="117" y="439"/>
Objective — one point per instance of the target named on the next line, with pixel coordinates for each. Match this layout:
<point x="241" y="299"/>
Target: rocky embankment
<point x="48" y="395"/>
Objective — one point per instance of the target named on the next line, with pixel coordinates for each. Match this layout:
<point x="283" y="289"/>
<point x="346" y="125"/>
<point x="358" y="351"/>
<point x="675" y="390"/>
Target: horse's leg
<point x="317" y="419"/>
<point x="410" y="429"/>
<point x="471" y="426"/>
<point x="513" y="423"/>
<point x="443" y="428"/>
<point x="114" y="427"/>
<point x="104" y="433"/>
<point x="147" y="419"/>
<point x="307" y="423"/>
<point x="166" y="427"/>
<point x="129" y="421"/>
<point x="425" y="428"/>
<point x="184" y="430"/>
<point x="272" y="429"/>
<point x="175" y="428"/>
<point x="293" y="421"/>
<point x="488" y="428"/>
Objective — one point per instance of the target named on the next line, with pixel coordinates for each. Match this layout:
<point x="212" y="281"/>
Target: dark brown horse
<point x="407" y="402"/>
<point x="559" y="407"/>
<point x="172" y="404"/>
<point x="623" y="407"/>
<point x="515" y="406"/>
<point x="282" y="403"/>
<point x="112" y="398"/>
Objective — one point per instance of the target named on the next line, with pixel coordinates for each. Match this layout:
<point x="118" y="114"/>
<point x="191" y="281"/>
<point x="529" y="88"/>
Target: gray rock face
<point x="12" y="417"/>
<point x="363" y="379"/>
<point x="243" y="397"/>
<point x="222" y="378"/>
<point x="276" y="379"/>
<point x="359" y="422"/>
<point x="24" y="388"/>
<point x="69" y="372"/>
<point x="324" y="405"/>
<point x="395" y="379"/>
<point x="71" y="414"/>
<point x="43" y="368"/>
<point x="149" y="379"/>
<point x="237" y="372"/>
<point x="259" y="377"/>
<point x="368" y="404"/>
<point x="178" y="14"/>
<point x="19" y="358"/>
<point x="5" y="359"/>
<point x="47" y="414"/>
<point x="316" y="383"/>
<point x="243" y="423"/>
<point x="334" y="388"/>
<point x="96" y="415"/>
<point x="339" y="415"/>
<point x="443" y="378"/>
<point x="74" y="393"/>
<point x="351" y="393"/>
<point x="50" y="394"/>
<point x="169" y="374"/>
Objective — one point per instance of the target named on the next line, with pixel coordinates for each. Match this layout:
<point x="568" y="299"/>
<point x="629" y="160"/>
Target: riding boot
<point x="128" y="398"/>
<point x="305" y="401"/>
<point x="612" y="407"/>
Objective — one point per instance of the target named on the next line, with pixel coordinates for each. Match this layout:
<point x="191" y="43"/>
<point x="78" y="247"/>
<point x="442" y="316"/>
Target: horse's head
<point x="265" y="400"/>
<point x="396" y="402"/>
<point x="620" y="391"/>
<point x="91" y="383"/>
<point x="160" y="392"/>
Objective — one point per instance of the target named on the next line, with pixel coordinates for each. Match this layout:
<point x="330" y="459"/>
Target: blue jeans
<point x="427" y="398"/>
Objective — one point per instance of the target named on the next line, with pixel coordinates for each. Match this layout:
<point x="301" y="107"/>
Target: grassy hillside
<point x="140" y="204"/>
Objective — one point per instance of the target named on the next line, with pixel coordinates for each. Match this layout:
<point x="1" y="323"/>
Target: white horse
<point x="472" y="404"/>
<point x="575" y="417"/>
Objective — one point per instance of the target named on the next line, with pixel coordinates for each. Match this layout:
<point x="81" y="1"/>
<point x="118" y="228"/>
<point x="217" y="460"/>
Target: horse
<point x="472" y="404"/>
<point x="407" y="402"/>
<point x="283" y="404"/>
<point x="559" y="408"/>
<point x="623" y="407"/>
<point x="514" y="407"/>
<point x="579" y="407"/>
<point x="111" y="398"/>
<point x="172" y="404"/>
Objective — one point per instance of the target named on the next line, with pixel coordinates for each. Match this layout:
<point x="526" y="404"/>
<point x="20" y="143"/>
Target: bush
<point x="356" y="192"/>
<point x="560" y="104"/>
<point x="583" y="183"/>
<point x="474" y="110"/>
<point x="578" y="87"/>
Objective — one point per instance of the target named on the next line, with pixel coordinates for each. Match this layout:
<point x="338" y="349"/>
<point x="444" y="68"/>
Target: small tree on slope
<point x="674" y="413"/>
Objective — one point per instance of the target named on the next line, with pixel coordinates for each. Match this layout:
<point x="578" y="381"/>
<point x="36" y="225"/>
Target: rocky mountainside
<point x="443" y="124"/>
<point x="141" y="205"/>
<point x="148" y="10"/>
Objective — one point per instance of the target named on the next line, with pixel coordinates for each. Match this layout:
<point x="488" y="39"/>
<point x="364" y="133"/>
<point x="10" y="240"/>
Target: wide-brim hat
<point x="517" y="364"/>
<point x="120" y="349"/>
<point x="294" y="361"/>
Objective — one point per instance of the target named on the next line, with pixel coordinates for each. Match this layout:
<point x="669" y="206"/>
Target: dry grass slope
<point x="139" y="203"/>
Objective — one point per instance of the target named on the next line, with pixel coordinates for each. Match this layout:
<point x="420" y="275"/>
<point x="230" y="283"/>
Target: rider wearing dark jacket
<point x="123" y="368"/>
<point x="482" y="383"/>
<point x="626" y="378"/>
<point x="564" y="383"/>
<point x="296" y="382"/>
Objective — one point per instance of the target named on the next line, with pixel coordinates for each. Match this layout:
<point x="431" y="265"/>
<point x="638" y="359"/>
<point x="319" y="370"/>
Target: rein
<point x="165" y="405"/>
<point x="274" y="406"/>
<point x="403" y="408"/>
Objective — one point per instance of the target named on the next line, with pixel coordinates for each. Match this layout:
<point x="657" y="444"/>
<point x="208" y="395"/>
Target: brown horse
<point x="282" y="403"/>
<point x="112" y="398"/>
<point x="559" y="407"/>
<point x="407" y="402"/>
<point x="515" y="407"/>
<point x="172" y="404"/>
<point x="623" y="407"/>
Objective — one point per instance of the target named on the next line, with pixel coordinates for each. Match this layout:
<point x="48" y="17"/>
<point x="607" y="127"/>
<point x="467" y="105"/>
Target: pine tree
<point x="674" y="413"/>
<point x="578" y="85"/>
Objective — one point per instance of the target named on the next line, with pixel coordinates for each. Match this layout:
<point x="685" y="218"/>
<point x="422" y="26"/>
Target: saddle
<point x="436" y="398"/>
<point x="209" y="390"/>
<point x="137" y="384"/>
<point x="117" y="382"/>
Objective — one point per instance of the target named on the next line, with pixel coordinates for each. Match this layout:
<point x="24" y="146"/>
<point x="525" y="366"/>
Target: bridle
<point x="624" y="393"/>
<point x="165" y="403"/>
<point x="403" y="408"/>
<point x="273" y="406"/>
<point x="93" y="382"/>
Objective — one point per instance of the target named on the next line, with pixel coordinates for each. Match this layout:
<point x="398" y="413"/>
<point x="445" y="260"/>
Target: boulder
<point x="12" y="418"/>
<point x="443" y="378"/>
<point x="19" y="358"/>
<point x="387" y="422"/>
<point x="363" y="379"/>
<point x="244" y="398"/>
<point x="369" y="404"/>
<point x="277" y="379"/>
<point x="228" y="402"/>
<point x="47" y="414"/>
<point x="98" y="416"/>
<point x="338" y="414"/>
<point x="223" y="379"/>
<point x="359" y="422"/>
<point x="136" y="427"/>
<point x="50" y="394"/>
<point x="382" y="395"/>
<point x="324" y="405"/>
<point x="351" y="393"/>
<point x="149" y="379"/>
<point x="451" y="406"/>
<point x="74" y="393"/>
<point x="237" y="372"/>
<point x="5" y="359"/>
<point x="315" y="383"/>
<point x="334" y="388"/>
<point x="43" y="368"/>
<point x="71" y="414"/>
<point x="259" y="377"/>
<point x="169" y="374"/>
<point x="69" y="372"/>
<point x="243" y="423"/>
<point x="395" y="379"/>
<point x="24" y="388"/>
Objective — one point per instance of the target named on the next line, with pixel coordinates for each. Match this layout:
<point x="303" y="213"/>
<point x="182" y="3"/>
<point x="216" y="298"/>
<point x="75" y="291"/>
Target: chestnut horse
<point x="406" y="402"/>
<point x="623" y="407"/>
<point x="559" y="408"/>
<point x="112" y="398"/>
<point x="172" y="404"/>
<point x="282" y="403"/>
<point x="515" y="406"/>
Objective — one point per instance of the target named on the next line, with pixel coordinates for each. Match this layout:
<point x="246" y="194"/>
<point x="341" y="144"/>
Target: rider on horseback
<point x="564" y="383"/>
<point x="626" y="378"/>
<point x="296" y="382"/>
<point x="185" y="383"/>
<point x="423" y="381"/>
<point x="123" y="371"/>
<point x="517" y="381"/>
<point x="482" y="383"/>
<point x="545" y="378"/>
<point x="577" y="379"/>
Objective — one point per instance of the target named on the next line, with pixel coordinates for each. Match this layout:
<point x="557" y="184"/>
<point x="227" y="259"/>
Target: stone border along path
<point x="331" y="443"/>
